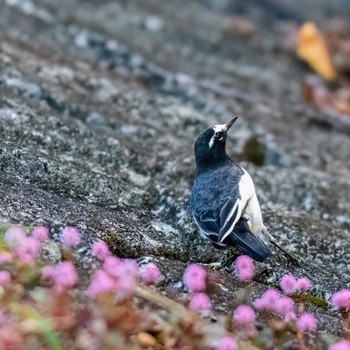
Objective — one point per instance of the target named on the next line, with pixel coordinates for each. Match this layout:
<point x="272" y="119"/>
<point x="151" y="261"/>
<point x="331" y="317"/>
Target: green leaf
<point x="41" y="324"/>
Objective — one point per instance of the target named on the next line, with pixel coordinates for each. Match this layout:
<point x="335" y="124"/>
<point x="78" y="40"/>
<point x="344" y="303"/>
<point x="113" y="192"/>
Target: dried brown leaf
<point x="311" y="47"/>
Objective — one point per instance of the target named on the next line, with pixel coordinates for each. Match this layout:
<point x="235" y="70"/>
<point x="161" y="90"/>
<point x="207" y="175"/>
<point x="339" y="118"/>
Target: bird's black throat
<point x="207" y="159"/>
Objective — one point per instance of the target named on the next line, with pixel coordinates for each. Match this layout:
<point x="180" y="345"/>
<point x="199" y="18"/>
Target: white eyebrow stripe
<point x="220" y="127"/>
<point x="211" y="142"/>
<point x="217" y="128"/>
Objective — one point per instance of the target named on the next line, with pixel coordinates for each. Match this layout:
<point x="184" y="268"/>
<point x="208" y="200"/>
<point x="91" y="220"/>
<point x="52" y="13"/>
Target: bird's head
<point x="210" y="146"/>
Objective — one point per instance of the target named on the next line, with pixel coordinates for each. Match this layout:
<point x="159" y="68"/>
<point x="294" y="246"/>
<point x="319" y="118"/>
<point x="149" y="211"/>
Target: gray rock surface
<point x="99" y="109"/>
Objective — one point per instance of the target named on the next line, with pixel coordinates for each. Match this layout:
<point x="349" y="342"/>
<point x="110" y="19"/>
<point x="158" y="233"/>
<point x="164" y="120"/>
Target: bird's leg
<point x="289" y="256"/>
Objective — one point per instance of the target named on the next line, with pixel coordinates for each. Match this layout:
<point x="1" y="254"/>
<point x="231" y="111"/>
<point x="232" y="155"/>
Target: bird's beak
<point x="230" y="123"/>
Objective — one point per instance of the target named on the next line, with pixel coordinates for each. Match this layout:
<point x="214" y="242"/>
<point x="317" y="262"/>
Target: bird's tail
<point x="289" y="256"/>
<point x="249" y="243"/>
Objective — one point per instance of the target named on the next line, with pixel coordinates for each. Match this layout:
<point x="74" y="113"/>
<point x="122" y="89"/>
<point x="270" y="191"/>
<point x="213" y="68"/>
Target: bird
<point x="223" y="199"/>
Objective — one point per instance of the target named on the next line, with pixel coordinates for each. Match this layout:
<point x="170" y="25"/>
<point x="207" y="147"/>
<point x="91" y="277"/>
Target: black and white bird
<point x="223" y="199"/>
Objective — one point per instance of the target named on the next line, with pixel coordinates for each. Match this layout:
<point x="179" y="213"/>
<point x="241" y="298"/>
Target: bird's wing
<point x="233" y="208"/>
<point x="221" y="221"/>
<point x="230" y="213"/>
<point x="236" y="227"/>
<point x="209" y="223"/>
<point x="249" y="243"/>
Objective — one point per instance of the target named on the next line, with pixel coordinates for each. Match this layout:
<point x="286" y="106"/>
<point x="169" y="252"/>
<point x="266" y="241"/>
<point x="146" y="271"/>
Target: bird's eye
<point x="220" y="136"/>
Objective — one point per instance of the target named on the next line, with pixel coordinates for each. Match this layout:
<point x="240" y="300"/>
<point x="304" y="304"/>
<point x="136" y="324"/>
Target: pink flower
<point x="13" y="236"/>
<point x="267" y="300"/>
<point x="27" y="250"/>
<point x="290" y="316"/>
<point x="150" y="273"/>
<point x="47" y="272"/>
<point x="200" y="302"/>
<point x="303" y="284"/>
<point x="307" y="322"/>
<point x="64" y="276"/>
<point x="5" y="278"/>
<point x="341" y="299"/>
<point x="40" y="233"/>
<point x="288" y="284"/>
<point x="227" y="343"/>
<point x="244" y="268"/>
<point x="125" y="272"/>
<point x="271" y="295"/>
<point x="194" y="278"/>
<point x="112" y="266"/>
<point x="130" y="268"/>
<point x="125" y="285"/>
<point x="100" y="250"/>
<point x="5" y="258"/>
<point x="101" y="282"/>
<point x="70" y="236"/>
<point x="277" y="303"/>
<point x="341" y="345"/>
<point x="260" y="304"/>
<point x="284" y="306"/>
<point x="244" y="315"/>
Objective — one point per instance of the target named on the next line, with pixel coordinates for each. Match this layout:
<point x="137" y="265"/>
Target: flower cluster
<point x="41" y="233"/>
<point x="244" y="267"/>
<point x="100" y="250"/>
<point x="244" y="316"/>
<point x="200" y="302"/>
<point x="340" y="345"/>
<point x="195" y="280"/>
<point x="5" y="278"/>
<point x="276" y="303"/>
<point x="63" y="275"/>
<point x="341" y="299"/>
<point x="74" y="316"/>
<point x="116" y="280"/>
<point x="120" y="276"/>
<point x="307" y="322"/>
<point x="227" y="343"/>
<point x="24" y="248"/>
<point x="70" y="236"/>
<point x="283" y="306"/>
<point x="117" y="275"/>
<point x="150" y="273"/>
<point x="290" y="284"/>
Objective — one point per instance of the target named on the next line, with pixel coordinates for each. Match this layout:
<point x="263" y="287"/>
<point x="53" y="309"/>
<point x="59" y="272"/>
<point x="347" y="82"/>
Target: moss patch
<point x="311" y="299"/>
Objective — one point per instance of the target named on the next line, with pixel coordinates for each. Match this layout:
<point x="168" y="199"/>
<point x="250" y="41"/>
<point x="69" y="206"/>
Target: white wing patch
<point x="246" y="186"/>
<point x="251" y="210"/>
<point x="237" y="212"/>
<point x="248" y="207"/>
<point x="229" y="216"/>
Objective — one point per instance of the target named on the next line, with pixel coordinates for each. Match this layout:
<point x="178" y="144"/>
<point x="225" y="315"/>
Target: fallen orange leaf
<point x="311" y="48"/>
<point x="146" y="339"/>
